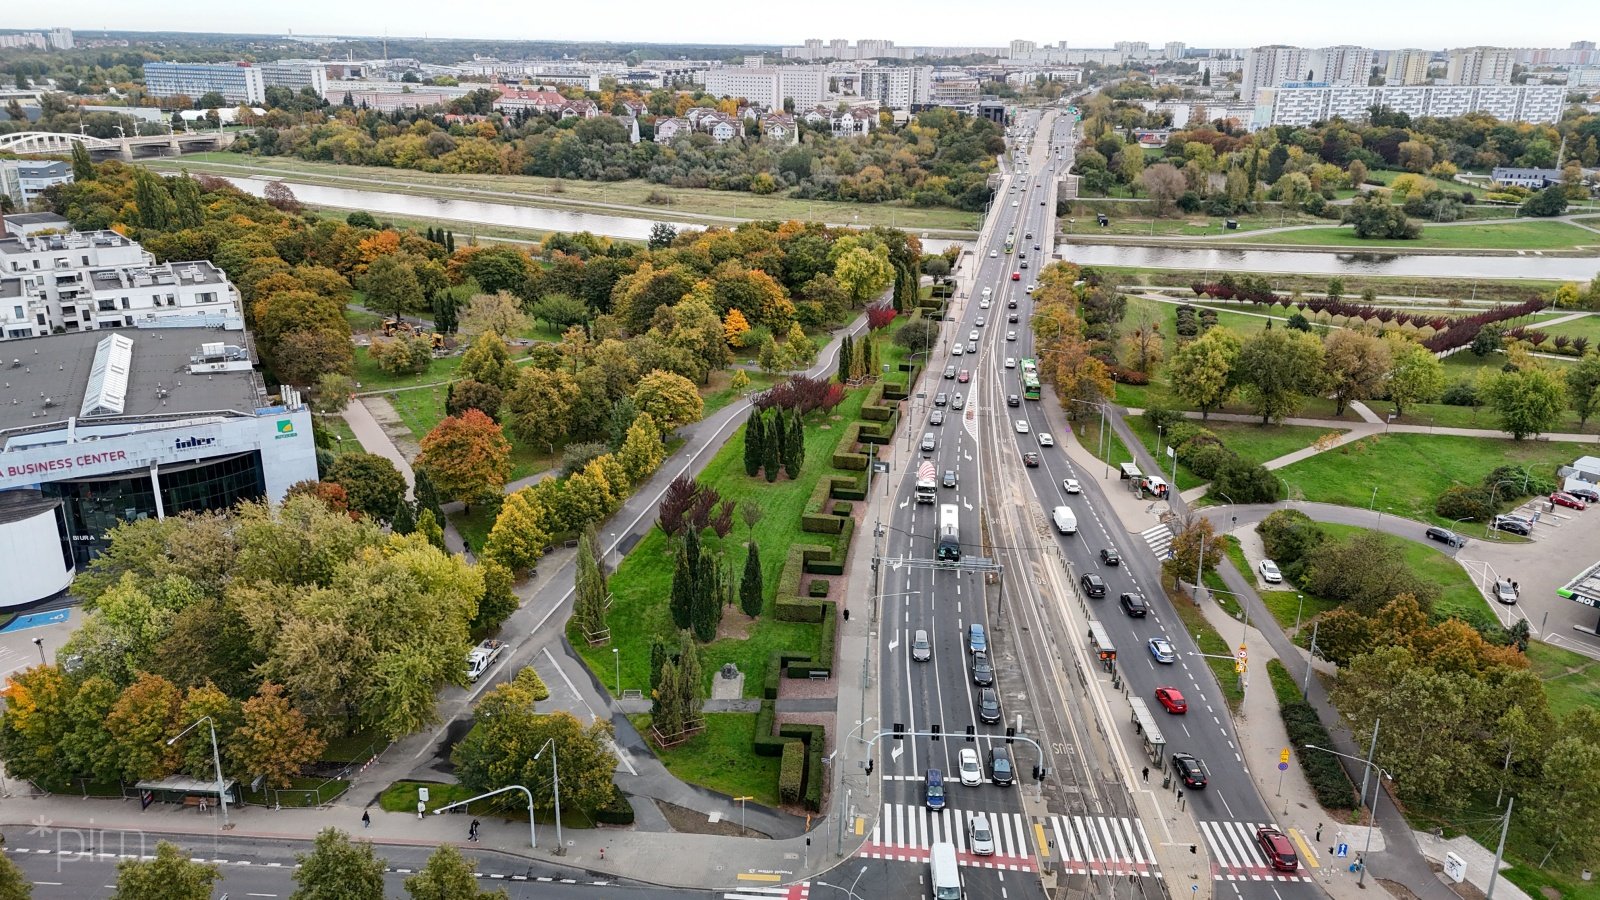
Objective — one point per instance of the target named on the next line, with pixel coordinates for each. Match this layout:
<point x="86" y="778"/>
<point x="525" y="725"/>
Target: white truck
<point x="927" y="487"/>
<point x="481" y="657"/>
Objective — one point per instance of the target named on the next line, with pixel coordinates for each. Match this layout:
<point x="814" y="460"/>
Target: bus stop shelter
<point x="184" y="791"/>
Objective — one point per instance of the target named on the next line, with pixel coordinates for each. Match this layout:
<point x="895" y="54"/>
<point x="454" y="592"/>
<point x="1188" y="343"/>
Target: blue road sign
<point x="1342" y="850"/>
<point x="1283" y="767"/>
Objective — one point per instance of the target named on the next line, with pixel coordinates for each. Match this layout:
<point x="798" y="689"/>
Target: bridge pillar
<point x="174" y="146"/>
<point x="125" y="150"/>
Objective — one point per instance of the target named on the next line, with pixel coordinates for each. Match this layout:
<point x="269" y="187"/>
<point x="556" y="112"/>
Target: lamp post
<point x="1299" y="604"/>
<point x="216" y="760"/>
<point x="1377" y="790"/>
<point x="39" y="642"/>
<point x="616" y="654"/>
<point x="851" y="890"/>
<point x="741" y="801"/>
<point x="555" y="782"/>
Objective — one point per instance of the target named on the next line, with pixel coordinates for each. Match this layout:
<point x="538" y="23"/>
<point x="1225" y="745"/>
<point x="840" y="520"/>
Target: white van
<point x="944" y="872"/>
<point x="1066" y="522"/>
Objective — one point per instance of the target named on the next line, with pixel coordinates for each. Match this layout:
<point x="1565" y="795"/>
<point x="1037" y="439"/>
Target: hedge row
<point x="814" y="519"/>
<point x="877" y="407"/>
<point x="792" y="772"/>
<point x="1322" y="770"/>
<point x="799" y="745"/>
<point x="616" y="812"/>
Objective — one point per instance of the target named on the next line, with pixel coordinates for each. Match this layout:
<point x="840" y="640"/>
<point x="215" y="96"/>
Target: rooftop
<point x="58" y="367"/>
<point x="115" y="277"/>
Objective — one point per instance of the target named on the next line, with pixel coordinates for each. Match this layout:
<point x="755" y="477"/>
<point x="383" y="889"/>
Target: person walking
<point x="366" y="819"/>
<point x="472" y="831"/>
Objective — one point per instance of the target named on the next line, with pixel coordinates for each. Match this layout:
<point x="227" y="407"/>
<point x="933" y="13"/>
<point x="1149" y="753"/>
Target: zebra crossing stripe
<point x="1159" y="539"/>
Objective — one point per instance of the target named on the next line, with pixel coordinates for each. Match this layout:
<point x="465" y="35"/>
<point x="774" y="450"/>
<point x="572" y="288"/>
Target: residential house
<point x="541" y="102"/>
<point x="670" y="128"/>
<point x="634" y="108"/>
<point x="723" y="128"/>
<point x="853" y="122"/>
<point x="818" y="116"/>
<point x="780" y="128"/>
<point x="579" y="109"/>
<point x="698" y="115"/>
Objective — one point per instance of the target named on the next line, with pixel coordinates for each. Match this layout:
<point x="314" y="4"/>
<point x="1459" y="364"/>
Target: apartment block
<point x="295" y="76"/>
<point x="769" y="86"/>
<point x="1408" y="67"/>
<point x="32" y="39"/>
<point x="897" y="87"/>
<point x="1298" y="104"/>
<point x="1272" y="66"/>
<point x="236" y="82"/>
<point x="1173" y="51"/>
<point x="61" y="39"/>
<point x="25" y="180"/>
<point x="1480" y="65"/>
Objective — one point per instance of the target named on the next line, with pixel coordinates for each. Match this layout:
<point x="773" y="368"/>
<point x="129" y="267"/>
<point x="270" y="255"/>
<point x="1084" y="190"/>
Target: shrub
<point x="1160" y="415"/>
<point x="1208" y="460"/>
<point x="1464" y="501"/>
<point x="792" y="772"/>
<point x="1322" y="770"/>
<point x="617" y="811"/>
<point x="1288" y="535"/>
<point x="1125" y="375"/>
<point x="841" y="507"/>
<point x="1516" y="482"/>
<point x="1181" y="431"/>
<point x="817" y="588"/>
<point x="1461" y="393"/>
<point x="1243" y="482"/>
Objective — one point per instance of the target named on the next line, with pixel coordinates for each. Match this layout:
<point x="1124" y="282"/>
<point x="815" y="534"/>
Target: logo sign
<point x="285" y="429"/>
<point x="193" y="443"/>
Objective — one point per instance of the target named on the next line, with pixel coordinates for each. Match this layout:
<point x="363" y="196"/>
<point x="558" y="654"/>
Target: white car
<point x="1013" y="203"/>
<point x="980" y="839"/>
<point x="958" y="349"/>
<point x="972" y="335"/>
<point x="1031" y="287"/>
<point x="984" y="303"/>
<point x="1071" y="486"/>
<point x="971" y="770"/>
<point x="1046" y="439"/>
<point x="980" y="322"/>
<point x="1269" y="572"/>
<point x="1011" y="335"/>
<point x="994" y="253"/>
<point x="1022" y="426"/>
<point x="1011" y="362"/>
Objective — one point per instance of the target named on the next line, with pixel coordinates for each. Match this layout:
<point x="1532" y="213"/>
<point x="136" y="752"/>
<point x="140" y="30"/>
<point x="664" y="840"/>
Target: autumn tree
<point x="391" y="285"/>
<point x="642" y="450"/>
<point x="1079" y="377"/>
<point x="403" y="354"/>
<point x="1528" y="401"/>
<point x="519" y="535"/>
<point x="863" y="273"/>
<point x="538" y="410"/>
<point x="467" y="457"/>
<point x="13" y="884"/>
<point x="144" y="717"/>
<point x="273" y="739"/>
<point x="671" y="400"/>
<point x="1355" y="364"/>
<point x="1415" y="375"/>
<point x="500" y="747"/>
<point x="170" y="875"/>
<point x="734" y="327"/>
<point x="1163" y="184"/>
<point x="500" y="313"/>
<point x="338" y="868"/>
<point x="1202" y="371"/>
<point x="1142" y="346"/>
<point x="306" y="356"/>
<point x="372" y="484"/>
<point x="488" y="361"/>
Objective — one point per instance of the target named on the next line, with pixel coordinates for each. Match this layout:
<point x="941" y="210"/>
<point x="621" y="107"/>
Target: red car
<point x="1171" y="699"/>
<point x="1280" y="853"/>
<point x="1561" y="498"/>
<point x="964" y="376"/>
<point x="1016" y="276"/>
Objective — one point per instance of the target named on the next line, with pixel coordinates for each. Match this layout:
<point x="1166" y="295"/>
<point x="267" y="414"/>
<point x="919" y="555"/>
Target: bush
<point x="1464" y="501"/>
<point x="1125" y="375"/>
<point x="576" y="456"/>
<point x="841" y="507"/>
<point x="1461" y="393"/>
<point x="618" y="811"/>
<point x="1181" y="431"/>
<point x="1162" y="416"/>
<point x="1207" y="461"/>
<point x="1322" y="770"/>
<point x="1516" y="482"/>
<point x="1288" y="535"/>
<point x="1243" y="482"/>
<point x="817" y="588"/>
<point x="792" y="772"/>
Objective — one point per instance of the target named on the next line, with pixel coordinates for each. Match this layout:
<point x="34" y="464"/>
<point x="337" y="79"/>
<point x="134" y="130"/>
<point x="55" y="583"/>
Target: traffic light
<point x="1038" y="772"/>
<point x="869" y="765"/>
<point x="971" y="734"/>
<point x="936" y="730"/>
<point x="899" y="731"/>
<point x="1011" y="733"/>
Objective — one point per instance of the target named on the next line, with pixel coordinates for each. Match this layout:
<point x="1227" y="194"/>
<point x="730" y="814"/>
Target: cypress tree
<point x="708" y="599"/>
<point x="769" y="451"/>
<point x="450" y="241"/>
<point x="779" y="430"/>
<point x="844" y="358"/>
<point x="796" y="446"/>
<point x="430" y="234"/>
<point x="427" y="496"/>
<point x="404" y="519"/>
<point x="667" y="714"/>
<point x="750" y="584"/>
<point x="658" y="657"/>
<point x="684" y="571"/>
<point x="752" y="445"/>
<point x="691" y="691"/>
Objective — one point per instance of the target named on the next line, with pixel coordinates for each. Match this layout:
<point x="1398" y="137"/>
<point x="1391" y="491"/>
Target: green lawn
<point x="640" y="586"/>
<point x="401" y="797"/>
<point x="1571" y="680"/>
<point x="302" y="793"/>
<point x="719" y="394"/>
<point x="1213" y="644"/>
<point x="720" y="758"/>
<point x="372" y="378"/>
<point x="344" y="439"/>
<point x="1588" y="327"/>
<point x="1458" y="596"/>
<point x="1283" y="604"/>
<point x="1253" y="443"/>
<point x="355" y="748"/>
<point x="1502" y="290"/>
<point x="1088" y="431"/>
<point x="1195" y="225"/>
<point x="1467" y="366"/>
<point x="1476" y="236"/>
<point x="1409" y="471"/>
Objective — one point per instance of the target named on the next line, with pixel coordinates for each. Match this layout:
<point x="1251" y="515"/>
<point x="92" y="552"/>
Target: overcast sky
<point x="1383" y="24"/>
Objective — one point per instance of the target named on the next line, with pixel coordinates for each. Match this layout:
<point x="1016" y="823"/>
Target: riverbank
<point x="1511" y="238"/>
<point x="700" y="206"/>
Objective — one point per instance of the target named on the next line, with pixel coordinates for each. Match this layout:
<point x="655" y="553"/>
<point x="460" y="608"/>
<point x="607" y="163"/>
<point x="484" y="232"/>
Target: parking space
<point x="50" y="629"/>
<point x="1563" y="545"/>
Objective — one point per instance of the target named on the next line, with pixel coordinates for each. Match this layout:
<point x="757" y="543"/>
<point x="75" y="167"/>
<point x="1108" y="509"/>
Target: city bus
<point x="1030" y="380"/>
<point x="949" y="533"/>
<point x="1011" y="242"/>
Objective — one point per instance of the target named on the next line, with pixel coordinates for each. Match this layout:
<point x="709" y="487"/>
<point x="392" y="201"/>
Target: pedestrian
<point x="472" y="832"/>
<point x="421" y="808"/>
<point x="847" y="615"/>
<point x="1145" y="774"/>
<point x="366" y="819"/>
<point x="1319" y="832"/>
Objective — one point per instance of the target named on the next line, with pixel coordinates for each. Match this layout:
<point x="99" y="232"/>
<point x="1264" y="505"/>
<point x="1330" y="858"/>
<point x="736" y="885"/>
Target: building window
<point x="107" y="305"/>
<point x="16" y="312"/>
<point x="209" y="297"/>
<point x="85" y="259"/>
<point x="41" y="319"/>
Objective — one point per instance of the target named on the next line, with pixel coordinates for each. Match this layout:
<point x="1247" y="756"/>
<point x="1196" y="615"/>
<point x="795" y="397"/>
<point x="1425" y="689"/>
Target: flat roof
<point x="57" y="366"/>
<point x="37" y="219"/>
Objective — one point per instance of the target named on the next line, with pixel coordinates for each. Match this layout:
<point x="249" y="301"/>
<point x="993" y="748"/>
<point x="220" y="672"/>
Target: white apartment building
<point x="1271" y="66"/>
<point x="1408" y="67"/>
<point x="1583" y="76"/>
<point x="295" y="76"/>
<point x="25" y="180"/>
<point x="1021" y="49"/>
<point x="1343" y="64"/>
<point x="61" y="39"/>
<point x="840" y="49"/>
<point x="82" y="281"/>
<point x="1480" y="65"/>
<point x="236" y="82"/>
<point x="1303" y="105"/>
<point x="1132" y="49"/>
<point x="897" y="87"/>
<point x="1172" y="51"/>
<point x="32" y="39"/>
<point x="768" y="86"/>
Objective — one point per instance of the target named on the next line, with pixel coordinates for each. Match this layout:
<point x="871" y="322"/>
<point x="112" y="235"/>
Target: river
<point x="1547" y="268"/>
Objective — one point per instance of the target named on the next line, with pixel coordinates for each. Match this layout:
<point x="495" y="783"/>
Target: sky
<point x="1432" y="24"/>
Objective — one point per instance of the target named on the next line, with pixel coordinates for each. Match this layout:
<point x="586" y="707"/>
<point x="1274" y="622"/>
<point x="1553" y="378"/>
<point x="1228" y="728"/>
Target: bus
<point x="1030" y="380"/>
<point x="949" y="533"/>
<point x="1011" y="242"/>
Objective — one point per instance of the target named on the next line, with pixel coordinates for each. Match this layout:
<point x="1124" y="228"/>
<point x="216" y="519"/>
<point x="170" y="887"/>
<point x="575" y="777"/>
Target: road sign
<point x="1283" y="756"/>
<point x="1243" y="654"/>
<point x="1283" y="767"/>
<point x="1342" y="850"/>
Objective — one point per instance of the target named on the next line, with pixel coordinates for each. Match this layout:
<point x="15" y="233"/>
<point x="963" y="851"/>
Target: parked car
<point x="1071" y="486"/>
<point x="1134" y="605"/>
<point x="1269" y="572"/>
<point x="1445" y="536"/>
<point x="1000" y="769"/>
<point x="982" y="670"/>
<point x="1512" y="525"/>
<point x="1583" y="492"/>
<point x="1562" y="498"/>
<point x="1162" y="650"/>
<point x="1189" y="769"/>
<point x="1505" y="590"/>
<point x="1110" y="557"/>
<point x="971" y="771"/>
<point x="1171" y="700"/>
<point x="1093" y="585"/>
<point x="1279" y="852"/>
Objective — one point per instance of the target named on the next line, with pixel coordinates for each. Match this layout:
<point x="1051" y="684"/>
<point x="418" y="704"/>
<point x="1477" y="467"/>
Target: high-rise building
<point x="1343" y="64"/>
<point x="295" y="76"/>
<point x="32" y="39"/>
<point x="1136" y="49"/>
<point x="1302" y="105"/>
<point x="1480" y="65"/>
<point x="236" y="82"/>
<point x="1271" y="66"/>
<point x="1172" y="51"/>
<point x="1408" y="67"/>
<point x="769" y="86"/>
<point x="61" y="39"/>
<point x="1022" y="48"/>
<point x="897" y="87"/>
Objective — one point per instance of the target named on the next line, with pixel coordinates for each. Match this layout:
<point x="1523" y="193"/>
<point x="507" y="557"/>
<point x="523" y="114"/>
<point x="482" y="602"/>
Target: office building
<point x="61" y="39"/>
<point x="236" y="82"/>
<point x="897" y="87"/>
<point x="103" y="427"/>
<point x="296" y="76"/>
<point x="1480" y="65"/>
<point x="1173" y="51"/>
<point x="769" y="86"/>
<point x="1302" y="104"/>
<point x="24" y="180"/>
<point x="960" y="92"/>
<point x="1408" y="67"/>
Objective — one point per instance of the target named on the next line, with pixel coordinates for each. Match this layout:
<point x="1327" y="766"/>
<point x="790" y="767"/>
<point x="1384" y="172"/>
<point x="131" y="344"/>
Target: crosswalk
<point x="1108" y="845"/>
<point x="798" y="891"/>
<point x="1236" y="856"/>
<point x="1159" y="538"/>
<point x="906" y="831"/>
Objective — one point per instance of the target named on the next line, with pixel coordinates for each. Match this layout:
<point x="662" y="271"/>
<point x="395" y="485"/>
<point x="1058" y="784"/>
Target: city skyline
<point x="1248" y="23"/>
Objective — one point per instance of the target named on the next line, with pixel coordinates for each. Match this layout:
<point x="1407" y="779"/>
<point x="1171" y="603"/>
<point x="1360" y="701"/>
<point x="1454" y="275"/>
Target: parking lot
<point x="49" y="627"/>
<point x="1563" y="544"/>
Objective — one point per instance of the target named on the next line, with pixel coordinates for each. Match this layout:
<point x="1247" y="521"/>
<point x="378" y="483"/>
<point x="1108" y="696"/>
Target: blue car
<point x="1162" y="650"/>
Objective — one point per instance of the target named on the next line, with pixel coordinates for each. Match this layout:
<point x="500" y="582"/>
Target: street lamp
<point x="555" y="781"/>
<point x="1299" y="604"/>
<point x="216" y="760"/>
<point x="39" y="642"/>
<point x="616" y="654"/>
<point x="851" y="890"/>
<point x="1377" y="790"/>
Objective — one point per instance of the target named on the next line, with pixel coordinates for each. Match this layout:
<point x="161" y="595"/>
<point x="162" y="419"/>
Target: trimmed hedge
<point x="841" y="508"/>
<point x="792" y="772"/>
<point x="1322" y="770"/>
<point x="814" y="519"/>
<point x="817" y="588"/>
<point x="877" y="407"/>
<point x="616" y="812"/>
<point x="815" y="739"/>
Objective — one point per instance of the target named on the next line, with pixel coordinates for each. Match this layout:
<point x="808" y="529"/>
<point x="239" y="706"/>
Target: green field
<point x="1458" y="596"/>
<point x="1475" y="236"/>
<point x="629" y="198"/>
<point x="1500" y="290"/>
<point x="1409" y="471"/>
<point x="1465" y="367"/>
<point x="720" y="758"/>
<point x="1253" y="443"/>
<point x="1571" y="680"/>
<point x="371" y="378"/>
<point x="1588" y="327"/>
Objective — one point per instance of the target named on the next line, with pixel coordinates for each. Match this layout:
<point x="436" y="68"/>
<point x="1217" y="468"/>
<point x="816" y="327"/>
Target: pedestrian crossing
<point x="905" y="832"/>
<point x="798" y="891"/>
<point x="1105" y="845"/>
<point x="1236" y="856"/>
<point x="1159" y="538"/>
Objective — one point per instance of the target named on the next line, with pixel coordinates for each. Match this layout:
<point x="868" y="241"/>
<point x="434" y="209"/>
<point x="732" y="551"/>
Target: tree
<point x="372" y="484"/>
<point x="281" y="197"/>
<point x="519" y="535"/>
<point x="500" y="747"/>
<point x="1141" y="346"/>
<point x="140" y="723"/>
<point x="1552" y="201"/>
<point x="1528" y="401"/>
<point x="488" y="361"/>
<point x="734" y="327"/>
<point x="273" y="739"/>
<point x="1355" y="364"/>
<point x="338" y="868"/>
<point x="467" y="394"/>
<point x="1583" y="386"/>
<point x="589" y="586"/>
<point x="754" y="443"/>
<point x="466" y="457"/>
<point x="1375" y="217"/>
<point x="498" y="313"/>
<point x="1164" y="184"/>
<point x="169" y="876"/>
<point x="794" y="446"/>
<point x="750" y="588"/>
<point x="402" y="354"/>
<point x="1202" y="371"/>
<point x="1415" y="374"/>
<point x="303" y="357"/>
<point x="82" y="165"/>
<point x="1564" y="792"/>
<point x="662" y="235"/>
<point x="560" y="310"/>
<point x="539" y="409"/>
<point x="391" y="285"/>
<point x="642" y="450"/>
<point x="863" y="273"/>
<point x="670" y="399"/>
<point x="448" y="876"/>
<point x="446" y="312"/>
<point x="1279" y="368"/>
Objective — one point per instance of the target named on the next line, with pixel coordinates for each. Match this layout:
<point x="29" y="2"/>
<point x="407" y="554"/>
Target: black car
<point x="1108" y="555"/>
<point x="949" y="478"/>
<point x="982" y="671"/>
<point x="1092" y="585"/>
<point x="1586" y="494"/>
<point x="1000" y="770"/>
<point x="1030" y="459"/>
<point x="1513" y="525"/>
<point x="989" y="706"/>
<point x="1013" y="400"/>
<point x="1190" y="770"/>
<point x="941" y="399"/>
<point x="1134" y="605"/>
<point x="1011" y="304"/>
<point x="1446" y="536"/>
<point x="1012" y="318"/>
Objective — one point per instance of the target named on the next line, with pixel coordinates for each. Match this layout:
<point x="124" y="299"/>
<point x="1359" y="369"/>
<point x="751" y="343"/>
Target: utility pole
<point x="1499" y="850"/>
<point x="1305" y="693"/>
<point x="1371" y="751"/>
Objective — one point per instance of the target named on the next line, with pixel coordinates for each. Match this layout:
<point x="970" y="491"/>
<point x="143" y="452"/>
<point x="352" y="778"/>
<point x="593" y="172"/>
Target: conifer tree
<point x="753" y="450"/>
<point x="796" y="446"/>
<point x="750" y="584"/>
<point x="769" y="452"/>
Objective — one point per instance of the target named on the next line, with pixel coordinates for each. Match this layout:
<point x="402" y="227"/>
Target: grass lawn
<point x="1088" y="432"/>
<point x="1588" y="327"/>
<point x="1458" y="596"/>
<point x="1502" y="290"/>
<point x="1571" y="680"/>
<point x="344" y="439"/>
<point x="1476" y="236"/>
<point x="1253" y="443"/>
<point x="720" y="758"/>
<point x="372" y="378"/>
<point x="641" y="584"/>
<point x="302" y="793"/>
<point x="718" y="394"/>
<point x="634" y="196"/>
<point x="401" y="797"/>
<point x="1409" y="471"/>
<point x="358" y="747"/>
<point x="1195" y="225"/>
<point x="419" y="408"/>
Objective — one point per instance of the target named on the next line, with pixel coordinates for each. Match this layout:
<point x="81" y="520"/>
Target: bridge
<point x="53" y="143"/>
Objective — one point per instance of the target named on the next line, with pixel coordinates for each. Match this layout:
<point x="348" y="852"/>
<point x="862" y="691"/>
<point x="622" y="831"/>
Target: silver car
<point x="980" y="838"/>
<point x="921" y="648"/>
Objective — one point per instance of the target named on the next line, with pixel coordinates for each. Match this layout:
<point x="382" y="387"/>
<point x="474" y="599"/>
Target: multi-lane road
<point x="1082" y="819"/>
